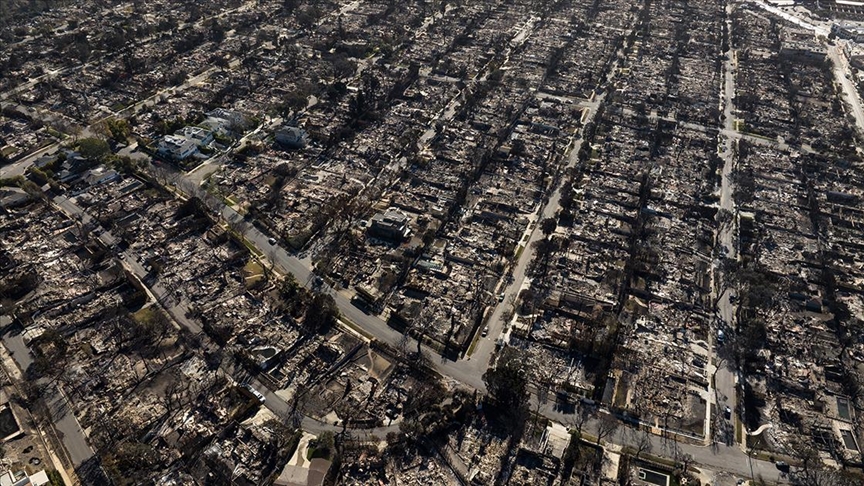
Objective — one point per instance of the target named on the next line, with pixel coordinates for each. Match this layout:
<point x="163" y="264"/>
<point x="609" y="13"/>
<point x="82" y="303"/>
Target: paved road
<point x="467" y="372"/>
<point x="841" y="69"/>
<point x="71" y="434"/>
<point x="842" y="75"/>
<point x="727" y="131"/>
<point x="796" y="17"/>
<point x="723" y="385"/>
<point x="371" y="324"/>
<point x="479" y="359"/>
<point x="20" y="167"/>
<point x="721" y="458"/>
<point x="178" y="310"/>
<point x="30" y="83"/>
<point x="73" y="437"/>
<point x="67" y="71"/>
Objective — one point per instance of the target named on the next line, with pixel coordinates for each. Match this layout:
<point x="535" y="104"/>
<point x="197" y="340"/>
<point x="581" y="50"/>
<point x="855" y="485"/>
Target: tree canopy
<point x="321" y="314"/>
<point x="93" y="148"/>
<point x="507" y="383"/>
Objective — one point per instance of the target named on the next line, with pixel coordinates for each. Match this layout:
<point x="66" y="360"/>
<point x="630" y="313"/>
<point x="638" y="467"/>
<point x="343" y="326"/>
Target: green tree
<point x="323" y="446"/>
<point x="119" y="129"/>
<point x="55" y="478"/>
<point x="130" y="459"/>
<point x="217" y="31"/>
<point x="282" y="437"/>
<point x="308" y="17"/>
<point x="50" y="350"/>
<point x="507" y="384"/>
<point x="93" y="148"/>
<point x="321" y="314"/>
<point x="547" y="226"/>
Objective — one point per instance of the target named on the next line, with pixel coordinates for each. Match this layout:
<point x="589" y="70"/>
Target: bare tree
<point x="281" y="435"/>
<point x="580" y="418"/>
<point x="686" y="461"/>
<point x="607" y="425"/>
<point x="164" y="175"/>
<point x="270" y="264"/>
<point x="642" y="441"/>
<point x="813" y="471"/>
<point x="404" y="340"/>
<point x="175" y="393"/>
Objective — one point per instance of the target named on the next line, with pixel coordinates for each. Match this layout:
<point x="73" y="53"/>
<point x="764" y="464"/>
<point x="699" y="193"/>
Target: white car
<point x="254" y="392"/>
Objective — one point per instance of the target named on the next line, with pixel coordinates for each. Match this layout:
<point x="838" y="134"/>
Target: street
<point x="841" y="75"/>
<point x="717" y="457"/>
<point x="721" y="451"/>
<point x="70" y="432"/>
<point x="724" y="379"/>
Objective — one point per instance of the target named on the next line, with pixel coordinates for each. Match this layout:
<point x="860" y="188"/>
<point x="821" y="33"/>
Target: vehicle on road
<point x="254" y="392"/>
<point x="485" y="331"/>
<point x="782" y="465"/>
<point x="362" y="304"/>
<point x="727" y="412"/>
<point x="271" y="240"/>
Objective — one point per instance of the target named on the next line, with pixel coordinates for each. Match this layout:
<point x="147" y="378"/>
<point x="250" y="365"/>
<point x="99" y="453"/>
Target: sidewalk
<point x="11" y="369"/>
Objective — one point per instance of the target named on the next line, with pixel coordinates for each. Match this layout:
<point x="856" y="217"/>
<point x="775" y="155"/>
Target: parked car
<point x="254" y="392"/>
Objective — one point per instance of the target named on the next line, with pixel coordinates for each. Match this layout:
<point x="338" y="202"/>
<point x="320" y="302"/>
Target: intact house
<point x="11" y="197"/>
<point x="291" y="137"/>
<point x="100" y="175"/>
<point x="176" y="148"/>
<point x="22" y="478"/>
<point x="849" y="30"/>
<point x="198" y="135"/>
<point x="224" y="122"/>
<point x="391" y="224"/>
